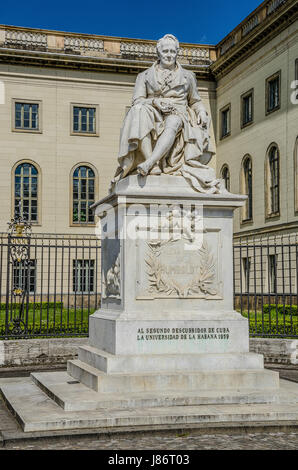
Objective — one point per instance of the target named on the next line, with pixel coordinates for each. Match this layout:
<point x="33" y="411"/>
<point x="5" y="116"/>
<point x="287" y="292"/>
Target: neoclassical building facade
<point x="64" y="96"/>
<point x="257" y="117"/>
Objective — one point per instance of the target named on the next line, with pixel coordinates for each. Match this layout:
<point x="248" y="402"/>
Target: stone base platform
<point x="54" y="401"/>
<point x="139" y="363"/>
<point x="108" y="373"/>
<point x="72" y="395"/>
<point x="101" y="382"/>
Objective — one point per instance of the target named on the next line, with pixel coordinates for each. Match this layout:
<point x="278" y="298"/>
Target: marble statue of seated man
<point x="167" y="127"/>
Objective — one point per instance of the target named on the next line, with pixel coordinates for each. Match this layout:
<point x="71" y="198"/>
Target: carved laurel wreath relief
<point x="162" y="283"/>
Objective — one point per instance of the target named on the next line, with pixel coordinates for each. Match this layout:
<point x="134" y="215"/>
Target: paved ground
<point x="257" y="441"/>
<point x="286" y="372"/>
<point x="172" y="440"/>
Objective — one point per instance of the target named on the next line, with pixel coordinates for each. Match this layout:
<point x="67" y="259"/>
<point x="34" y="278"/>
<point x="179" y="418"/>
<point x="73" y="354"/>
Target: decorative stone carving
<point x="195" y="55"/>
<point x="230" y="42"/>
<point x="138" y="49"/>
<point x="273" y="5"/>
<point x="23" y="38"/>
<point x="83" y="44"/>
<point x="111" y="282"/>
<point x="141" y="49"/>
<point x="250" y="25"/>
<point x="163" y="278"/>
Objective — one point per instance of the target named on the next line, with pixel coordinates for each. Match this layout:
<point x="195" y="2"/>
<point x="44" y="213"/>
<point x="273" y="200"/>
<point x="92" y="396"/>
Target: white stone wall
<point x="59" y="350"/>
<point x="283" y="351"/>
<point x="39" y="351"/>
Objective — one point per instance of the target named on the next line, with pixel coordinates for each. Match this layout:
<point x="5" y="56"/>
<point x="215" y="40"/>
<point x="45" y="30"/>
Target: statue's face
<point x="167" y="53"/>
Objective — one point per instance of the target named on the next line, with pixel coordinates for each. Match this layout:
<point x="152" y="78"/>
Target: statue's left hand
<point x="203" y="119"/>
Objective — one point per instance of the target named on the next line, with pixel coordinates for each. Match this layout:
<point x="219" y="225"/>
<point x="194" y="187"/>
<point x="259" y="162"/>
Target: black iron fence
<point x="265" y="284"/>
<point x="49" y="284"/>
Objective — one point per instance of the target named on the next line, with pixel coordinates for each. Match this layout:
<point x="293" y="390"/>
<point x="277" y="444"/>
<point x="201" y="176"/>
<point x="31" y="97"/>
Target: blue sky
<point x="192" y="21"/>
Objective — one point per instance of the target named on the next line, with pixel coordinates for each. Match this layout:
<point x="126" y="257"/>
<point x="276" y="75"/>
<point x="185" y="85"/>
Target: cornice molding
<point x="95" y="64"/>
<point x="267" y="229"/>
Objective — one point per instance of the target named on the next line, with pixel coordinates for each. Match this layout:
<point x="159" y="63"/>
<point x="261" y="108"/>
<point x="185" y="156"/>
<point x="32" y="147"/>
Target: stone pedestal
<point x="166" y="349"/>
<point x="166" y="321"/>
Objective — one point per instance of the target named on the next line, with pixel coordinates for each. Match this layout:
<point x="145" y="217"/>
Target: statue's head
<point x="167" y="49"/>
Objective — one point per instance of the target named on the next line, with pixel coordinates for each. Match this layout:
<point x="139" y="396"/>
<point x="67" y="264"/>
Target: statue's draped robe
<point x="179" y="90"/>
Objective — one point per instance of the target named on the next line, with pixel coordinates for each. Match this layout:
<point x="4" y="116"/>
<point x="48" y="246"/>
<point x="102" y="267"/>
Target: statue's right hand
<point x="159" y="104"/>
<point x="162" y="105"/>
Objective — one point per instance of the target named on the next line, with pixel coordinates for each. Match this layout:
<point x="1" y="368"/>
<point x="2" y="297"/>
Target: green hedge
<point x="37" y="305"/>
<point x="281" y="309"/>
<point x="64" y="329"/>
<point x="263" y="328"/>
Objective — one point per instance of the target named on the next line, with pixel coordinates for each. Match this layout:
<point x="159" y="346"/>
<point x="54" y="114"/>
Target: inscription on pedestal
<point x="182" y="334"/>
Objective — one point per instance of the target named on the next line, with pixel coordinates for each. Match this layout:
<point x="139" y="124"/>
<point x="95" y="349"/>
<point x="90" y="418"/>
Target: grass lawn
<point x="46" y="320"/>
<point x="54" y="321"/>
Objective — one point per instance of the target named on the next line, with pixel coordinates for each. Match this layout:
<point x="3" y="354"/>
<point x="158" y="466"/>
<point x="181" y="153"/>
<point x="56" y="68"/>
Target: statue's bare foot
<point x="143" y="169"/>
<point x="155" y="170"/>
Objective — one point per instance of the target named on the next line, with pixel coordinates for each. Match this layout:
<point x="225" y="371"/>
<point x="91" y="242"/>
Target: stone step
<point x="111" y="363"/>
<point x="99" y="381"/>
<point x="35" y="411"/>
<point x="71" y="395"/>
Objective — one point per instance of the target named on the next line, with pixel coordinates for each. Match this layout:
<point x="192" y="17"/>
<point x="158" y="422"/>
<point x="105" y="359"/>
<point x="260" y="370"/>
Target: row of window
<point x="248" y="279"/>
<point x="84" y="118"/>
<point x="272" y="182"/>
<point x="83" y="275"/>
<point x="272" y="103"/>
<point x="26" y="190"/>
<point x="27" y="117"/>
<point x="83" y="181"/>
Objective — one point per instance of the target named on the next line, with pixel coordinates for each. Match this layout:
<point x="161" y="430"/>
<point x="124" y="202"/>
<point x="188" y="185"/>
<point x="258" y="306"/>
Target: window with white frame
<point x="84" y="119"/>
<point x="24" y="275"/>
<point x="272" y="272"/>
<point x="296" y="174"/>
<point x="225" y="174"/>
<point x="273" y="181"/>
<point x="26" y="116"/>
<point x="247" y="188"/>
<point x="26" y="192"/>
<point x="273" y="93"/>
<point x="83" y="275"/>
<point x="225" y="119"/>
<point x="246" y="264"/>
<point x="247" y="108"/>
<point x="83" y="195"/>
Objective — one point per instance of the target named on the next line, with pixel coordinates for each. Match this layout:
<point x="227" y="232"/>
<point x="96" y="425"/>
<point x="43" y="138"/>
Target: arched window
<point x="272" y="181"/>
<point x="83" y="195"/>
<point x="247" y="187"/>
<point x="296" y="172"/>
<point x="26" y="192"/>
<point x="225" y="174"/>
